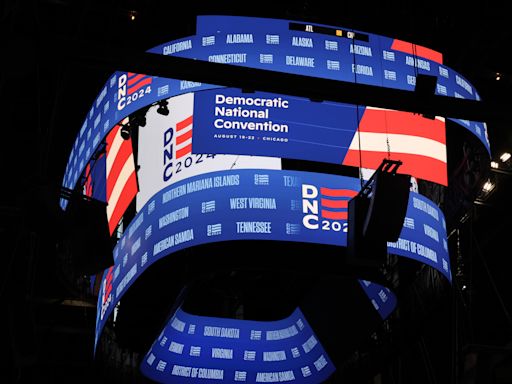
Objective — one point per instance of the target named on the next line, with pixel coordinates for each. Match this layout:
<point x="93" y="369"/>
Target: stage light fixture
<point x="488" y="186"/>
<point x="162" y="107"/>
<point x="505" y="156"/>
<point x="126" y="131"/>
<point x="498" y="76"/>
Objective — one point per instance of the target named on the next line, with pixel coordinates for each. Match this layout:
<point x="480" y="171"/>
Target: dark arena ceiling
<point x="57" y="55"/>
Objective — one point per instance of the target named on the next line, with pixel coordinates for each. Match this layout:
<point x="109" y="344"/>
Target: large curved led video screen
<point x="322" y="51"/>
<point x="199" y="349"/>
<point x="209" y="168"/>
<point x="258" y="204"/>
<point x="281" y="45"/>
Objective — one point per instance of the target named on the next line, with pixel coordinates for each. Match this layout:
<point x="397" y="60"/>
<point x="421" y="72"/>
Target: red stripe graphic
<point x="121" y="185"/>
<point x="419" y="166"/>
<point x="129" y="192"/>
<point x="337" y="192"/>
<point x="112" y="135"/>
<point x="334" y="203"/>
<point x="183" y="151"/>
<point x="335" y="215"/>
<point x="418" y="50"/>
<point x="184" y="124"/>
<point x="88" y="181"/>
<point x="183" y="137"/>
<point x="122" y="156"/>
<point x="140" y="84"/>
<point x="134" y="79"/>
<point x="405" y="123"/>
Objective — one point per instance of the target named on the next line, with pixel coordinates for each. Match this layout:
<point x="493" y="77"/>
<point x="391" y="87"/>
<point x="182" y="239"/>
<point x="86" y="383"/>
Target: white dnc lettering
<point x="274" y="356"/>
<point x="222" y="353"/>
<point x="300" y="61"/>
<point x="302" y="42"/>
<point x="239" y="38"/>
<point x="274" y="377"/>
<point x="177" y="47"/>
<point x="121" y="91"/>
<point x="230" y="333"/>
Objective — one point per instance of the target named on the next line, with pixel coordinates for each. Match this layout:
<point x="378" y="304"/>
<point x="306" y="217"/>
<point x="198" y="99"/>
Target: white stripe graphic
<point x="128" y="169"/>
<point x="413" y="145"/>
<point x="115" y="147"/>
<point x="186" y="142"/>
<point x="440" y="118"/>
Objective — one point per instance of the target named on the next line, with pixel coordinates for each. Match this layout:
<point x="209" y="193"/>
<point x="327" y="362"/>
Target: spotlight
<point x="505" y="156"/>
<point x="126" y="131"/>
<point x="133" y="15"/>
<point x="498" y="76"/>
<point x="162" y="107"/>
<point x="488" y="186"/>
<point x="494" y="165"/>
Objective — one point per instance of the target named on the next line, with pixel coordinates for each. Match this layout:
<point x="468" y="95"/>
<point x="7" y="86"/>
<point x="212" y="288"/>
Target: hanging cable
<point x="358" y="120"/>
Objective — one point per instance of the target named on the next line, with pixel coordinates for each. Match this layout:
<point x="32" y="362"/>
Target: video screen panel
<point x="199" y="349"/>
<point x="279" y="45"/>
<point x="165" y="153"/>
<point x="230" y="121"/>
<point x="258" y="204"/>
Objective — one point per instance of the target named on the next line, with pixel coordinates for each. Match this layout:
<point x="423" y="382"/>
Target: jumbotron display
<point x="197" y="349"/>
<point x="258" y="204"/>
<point x="278" y="45"/>
<point x="205" y="167"/>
